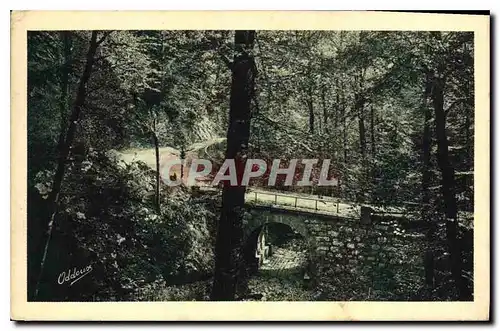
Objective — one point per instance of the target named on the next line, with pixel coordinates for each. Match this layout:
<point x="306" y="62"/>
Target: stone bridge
<point x="339" y="237"/>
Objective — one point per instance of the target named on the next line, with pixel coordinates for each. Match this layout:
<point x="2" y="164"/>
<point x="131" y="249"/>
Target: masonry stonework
<point x="337" y="244"/>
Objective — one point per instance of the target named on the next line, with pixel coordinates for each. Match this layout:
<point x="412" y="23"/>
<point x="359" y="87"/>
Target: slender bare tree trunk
<point x="344" y="128"/>
<point x="426" y="177"/>
<point x="63" y="101"/>
<point x="362" y="132"/>
<point x="64" y="152"/>
<point x="310" y="106"/>
<point x="359" y="105"/>
<point x="448" y="188"/>
<point x="337" y="105"/>
<point x="325" y="109"/>
<point x="157" y="158"/>
<point x="372" y="129"/>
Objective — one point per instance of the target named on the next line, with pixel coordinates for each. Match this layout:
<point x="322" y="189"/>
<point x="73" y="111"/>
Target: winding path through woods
<point x="286" y="200"/>
<point x="147" y="155"/>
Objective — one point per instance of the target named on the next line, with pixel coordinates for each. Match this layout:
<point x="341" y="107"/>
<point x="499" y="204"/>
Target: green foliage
<point x="356" y="97"/>
<point x="108" y="220"/>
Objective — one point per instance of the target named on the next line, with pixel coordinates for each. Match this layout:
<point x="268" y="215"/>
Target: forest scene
<point x="392" y="111"/>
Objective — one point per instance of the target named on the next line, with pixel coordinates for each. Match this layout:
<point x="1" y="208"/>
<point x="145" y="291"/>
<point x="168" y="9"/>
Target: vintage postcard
<point x="304" y="166"/>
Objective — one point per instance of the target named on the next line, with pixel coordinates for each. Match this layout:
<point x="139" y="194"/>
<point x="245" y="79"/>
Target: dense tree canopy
<point x="392" y="110"/>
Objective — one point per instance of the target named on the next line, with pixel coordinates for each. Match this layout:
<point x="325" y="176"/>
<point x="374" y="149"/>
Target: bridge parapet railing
<point x="323" y="204"/>
<point x="294" y="201"/>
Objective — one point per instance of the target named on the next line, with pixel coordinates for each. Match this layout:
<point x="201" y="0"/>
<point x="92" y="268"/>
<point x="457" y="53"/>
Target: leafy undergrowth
<point x="261" y="288"/>
<point x="107" y="219"/>
<point x="377" y="285"/>
<point x="280" y="289"/>
<point x="161" y="291"/>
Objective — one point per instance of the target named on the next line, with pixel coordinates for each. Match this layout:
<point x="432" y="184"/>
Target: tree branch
<point x="104" y="36"/>
<point x="228" y="62"/>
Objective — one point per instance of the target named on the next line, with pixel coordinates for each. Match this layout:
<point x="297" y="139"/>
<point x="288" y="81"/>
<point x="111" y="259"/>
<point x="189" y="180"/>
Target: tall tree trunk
<point x="325" y="110"/>
<point x="426" y="177"/>
<point x="469" y="143"/>
<point x="343" y="106"/>
<point x="362" y="133"/>
<point x="53" y="198"/>
<point x="342" y="114"/>
<point x="228" y="248"/>
<point x="310" y="105"/>
<point x="359" y="106"/>
<point x="63" y="101"/>
<point x="372" y="131"/>
<point x="447" y="187"/>
<point x="157" y="158"/>
<point x="337" y="106"/>
<point x="372" y="166"/>
<point x="344" y="127"/>
<point x="359" y="100"/>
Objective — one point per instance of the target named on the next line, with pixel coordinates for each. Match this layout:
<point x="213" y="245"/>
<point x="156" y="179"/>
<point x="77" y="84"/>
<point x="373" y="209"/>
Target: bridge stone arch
<point x="256" y="217"/>
<point x="340" y="244"/>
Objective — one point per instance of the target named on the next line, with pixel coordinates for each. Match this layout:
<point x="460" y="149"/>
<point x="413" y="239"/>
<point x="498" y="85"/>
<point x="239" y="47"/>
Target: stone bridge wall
<point x="340" y="245"/>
